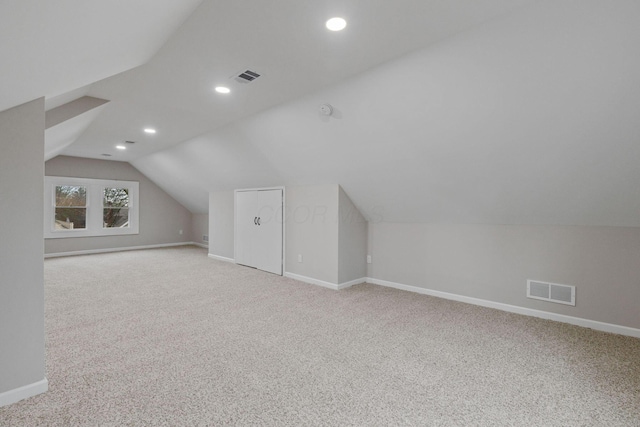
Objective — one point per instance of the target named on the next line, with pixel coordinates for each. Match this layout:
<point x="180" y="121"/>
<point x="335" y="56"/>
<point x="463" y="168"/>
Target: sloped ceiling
<point x="52" y="47"/>
<point x="65" y="123"/>
<point x="465" y="111"/>
<point x="529" y="119"/>
<point x="283" y="40"/>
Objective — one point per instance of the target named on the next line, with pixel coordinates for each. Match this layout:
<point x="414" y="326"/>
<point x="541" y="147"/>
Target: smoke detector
<point x="326" y="109"/>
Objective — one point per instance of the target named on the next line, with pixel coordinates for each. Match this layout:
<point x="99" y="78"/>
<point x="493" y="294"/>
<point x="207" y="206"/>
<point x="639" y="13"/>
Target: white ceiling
<point x="531" y="118"/>
<point x="52" y="47"/>
<point x="65" y="123"/>
<point x="475" y="111"/>
<point x="283" y="40"/>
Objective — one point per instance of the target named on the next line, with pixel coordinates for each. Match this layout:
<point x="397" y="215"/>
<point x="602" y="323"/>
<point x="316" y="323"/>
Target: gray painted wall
<point x="199" y="227"/>
<point x="493" y="262"/>
<point x="311" y="225"/>
<point x="21" y="266"/>
<point x="221" y="223"/>
<point x="161" y="217"/>
<point x="352" y="240"/>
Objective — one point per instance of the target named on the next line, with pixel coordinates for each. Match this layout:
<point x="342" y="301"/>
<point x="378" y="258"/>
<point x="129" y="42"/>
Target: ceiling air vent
<point x="247" y="76"/>
<point x="552" y="292"/>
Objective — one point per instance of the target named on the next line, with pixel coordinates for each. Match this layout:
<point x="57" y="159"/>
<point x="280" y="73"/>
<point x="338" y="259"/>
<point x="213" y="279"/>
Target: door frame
<point x="284" y="221"/>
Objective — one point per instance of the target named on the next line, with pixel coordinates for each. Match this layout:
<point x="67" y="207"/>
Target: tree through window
<point x="115" y="206"/>
<point x="87" y="207"/>
<point x="71" y="207"/>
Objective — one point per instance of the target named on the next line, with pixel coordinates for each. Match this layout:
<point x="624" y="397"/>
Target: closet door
<point x="246" y="227"/>
<point x="268" y="240"/>
<point x="258" y="229"/>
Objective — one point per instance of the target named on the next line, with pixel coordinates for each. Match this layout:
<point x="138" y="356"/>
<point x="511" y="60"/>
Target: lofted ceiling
<point x="49" y="48"/>
<point x="472" y="111"/>
<point x="285" y="41"/>
<point x="530" y="118"/>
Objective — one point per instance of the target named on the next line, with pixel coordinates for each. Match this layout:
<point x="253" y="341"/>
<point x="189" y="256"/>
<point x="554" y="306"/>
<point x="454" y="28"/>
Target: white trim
<point x="24" y="392"/>
<point x="284" y="230"/>
<point x="94" y="207"/>
<point x="127" y="248"/>
<point x="312" y="281"/>
<point x="351" y="283"/>
<point x="281" y="187"/>
<point x="202" y="245"/>
<point x="578" y="321"/>
<point x="221" y="258"/>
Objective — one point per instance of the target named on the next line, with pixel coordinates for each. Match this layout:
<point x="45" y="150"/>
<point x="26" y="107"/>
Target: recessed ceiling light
<point x="336" y="24"/>
<point x="149" y="130"/>
<point x="222" y="89"/>
<point x="121" y="147"/>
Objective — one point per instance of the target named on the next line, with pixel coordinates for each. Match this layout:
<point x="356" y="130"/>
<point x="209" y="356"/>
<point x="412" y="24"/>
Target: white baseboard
<point x="222" y="258"/>
<point x="322" y="283"/>
<point x="29" y="390"/>
<point x="202" y="245"/>
<point x="351" y="283"/>
<point x="126" y="248"/>
<point x="578" y="321"/>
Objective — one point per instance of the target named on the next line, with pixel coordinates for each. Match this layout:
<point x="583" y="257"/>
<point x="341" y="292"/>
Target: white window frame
<point x="95" y="194"/>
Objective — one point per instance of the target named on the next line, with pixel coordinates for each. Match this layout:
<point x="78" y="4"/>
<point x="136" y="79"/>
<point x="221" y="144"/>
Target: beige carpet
<point x="171" y="337"/>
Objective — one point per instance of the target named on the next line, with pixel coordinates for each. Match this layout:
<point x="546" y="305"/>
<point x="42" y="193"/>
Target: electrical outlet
<point x="180" y="232"/>
<point x="299" y="257"/>
<point x="368" y="259"/>
<point x="205" y="238"/>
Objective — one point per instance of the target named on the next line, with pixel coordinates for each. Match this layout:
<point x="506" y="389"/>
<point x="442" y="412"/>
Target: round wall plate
<point x="326" y="109"/>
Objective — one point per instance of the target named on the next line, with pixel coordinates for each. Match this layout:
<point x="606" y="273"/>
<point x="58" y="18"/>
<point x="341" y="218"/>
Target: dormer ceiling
<point x="158" y="68"/>
<point x="52" y="47"/>
<point x="476" y="111"/>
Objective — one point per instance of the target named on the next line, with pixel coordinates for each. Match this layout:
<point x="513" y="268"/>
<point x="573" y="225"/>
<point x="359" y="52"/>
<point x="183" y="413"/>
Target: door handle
<point x="255" y="220"/>
<point x="258" y="220"/>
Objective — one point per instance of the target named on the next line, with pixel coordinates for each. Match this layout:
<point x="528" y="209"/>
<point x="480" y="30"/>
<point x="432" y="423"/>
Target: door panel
<point x="268" y="248"/>
<point x="245" y="227"/>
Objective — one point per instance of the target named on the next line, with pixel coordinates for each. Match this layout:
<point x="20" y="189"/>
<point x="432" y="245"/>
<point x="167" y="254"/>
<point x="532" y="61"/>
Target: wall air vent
<point x="247" y="76"/>
<point x="552" y="292"/>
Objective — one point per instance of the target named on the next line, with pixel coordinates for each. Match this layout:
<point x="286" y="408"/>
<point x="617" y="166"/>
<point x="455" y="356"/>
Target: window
<point x="115" y="208"/>
<point x="82" y="207"/>
<point x="71" y="207"/>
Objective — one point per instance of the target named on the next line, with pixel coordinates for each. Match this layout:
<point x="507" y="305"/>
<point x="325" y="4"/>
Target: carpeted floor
<point x="171" y="337"/>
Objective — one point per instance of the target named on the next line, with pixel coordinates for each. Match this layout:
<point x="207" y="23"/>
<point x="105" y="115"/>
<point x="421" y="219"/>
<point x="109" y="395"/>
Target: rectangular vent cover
<point x="552" y="292"/>
<point x="247" y="76"/>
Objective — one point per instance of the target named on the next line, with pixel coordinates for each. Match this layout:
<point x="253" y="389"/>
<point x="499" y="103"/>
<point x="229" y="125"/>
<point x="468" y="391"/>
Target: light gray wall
<point x="21" y="265"/>
<point x="311" y="224"/>
<point x="199" y="227"/>
<point x="161" y="217"/>
<point x="493" y="262"/>
<point x="352" y="240"/>
<point x="321" y="224"/>
<point x="221" y="223"/>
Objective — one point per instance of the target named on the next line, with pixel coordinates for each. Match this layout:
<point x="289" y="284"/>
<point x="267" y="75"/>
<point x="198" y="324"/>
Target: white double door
<point x="258" y="237"/>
